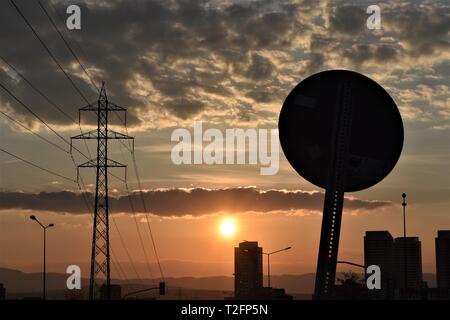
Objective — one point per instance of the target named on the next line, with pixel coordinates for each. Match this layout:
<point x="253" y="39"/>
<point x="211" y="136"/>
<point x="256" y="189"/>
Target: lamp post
<point x="33" y="217"/>
<point x="268" y="254"/>
<point x="352" y="264"/>
<point x="404" y="244"/>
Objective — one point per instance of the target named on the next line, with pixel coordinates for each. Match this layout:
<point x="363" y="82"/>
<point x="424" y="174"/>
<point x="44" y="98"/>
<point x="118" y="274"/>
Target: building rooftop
<point x="248" y="244"/>
<point x="444" y="234"/>
<point x="401" y="239"/>
<point x="378" y="234"/>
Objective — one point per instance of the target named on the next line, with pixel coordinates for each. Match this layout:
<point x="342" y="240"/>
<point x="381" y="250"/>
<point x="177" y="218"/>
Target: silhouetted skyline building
<point x="2" y="292"/>
<point x="443" y="259"/>
<point x="248" y="272"/>
<point x="413" y="263"/>
<point x="115" y="292"/>
<point x="379" y="250"/>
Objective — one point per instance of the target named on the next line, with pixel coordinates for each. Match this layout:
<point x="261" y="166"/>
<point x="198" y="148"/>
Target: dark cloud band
<point x="183" y="202"/>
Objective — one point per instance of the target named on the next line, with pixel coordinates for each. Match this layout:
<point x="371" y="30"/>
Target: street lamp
<point x="352" y="264"/>
<point x="268" y="254"/>
<point x="33" y="217"/>
<point x="404" y="245"/>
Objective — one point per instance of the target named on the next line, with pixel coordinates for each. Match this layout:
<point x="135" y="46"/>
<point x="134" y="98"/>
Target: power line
<point x="59" y="65"/>
<point x="130" y="201"/>
<point x="37" y="166"/>
<point x="123" y="143"/>
<point x="42" y="121"/>
<point x="77" y="44"/>
<point x="146" y="217"/>
<point x="116" y="265"/>
<point x="144" y="206"/>
<point x="65" y="73"/>
<point x="54" y="173"/>
<point x="125" y="248"/>
<point x="47" y="125"/>
<point x="39" y="118"/>
<point x="36" y="89"/>
<point x="137" y="227"/>
<point x="91" y="210"/>
<point x="61" y="19"/>
<point x="100" y="257"/>
<point x="35" y="133"/>
<point x="68" y="45"/>
<point x="56" y="61"/>
<point x="31" y="111"/>
<point x="43" y="95"/>
<point x="139" y="232"/>
<point x="130" y="149"/>
<point x="48" y="50"/>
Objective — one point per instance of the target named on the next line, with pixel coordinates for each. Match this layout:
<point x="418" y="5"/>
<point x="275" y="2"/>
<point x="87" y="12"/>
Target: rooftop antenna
<point x="342" y="132"/>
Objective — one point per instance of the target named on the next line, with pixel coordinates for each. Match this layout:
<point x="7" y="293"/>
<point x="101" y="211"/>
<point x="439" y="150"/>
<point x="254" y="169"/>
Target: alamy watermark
<point x="235" y="146"/>
<point x="74" y="280"/>
<point x="373" y="277"/>
<point x="73" y="21"/>
<point x="374" y="20"/>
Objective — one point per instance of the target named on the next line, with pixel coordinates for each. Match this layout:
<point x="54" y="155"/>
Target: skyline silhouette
<point x="232" y="67"/>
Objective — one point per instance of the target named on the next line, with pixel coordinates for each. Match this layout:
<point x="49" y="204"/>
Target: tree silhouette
<point x="351" y="287"/>
<point x="350" y="279"/>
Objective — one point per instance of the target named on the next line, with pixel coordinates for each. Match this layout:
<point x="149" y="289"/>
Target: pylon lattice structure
<point x="100" y="256"/>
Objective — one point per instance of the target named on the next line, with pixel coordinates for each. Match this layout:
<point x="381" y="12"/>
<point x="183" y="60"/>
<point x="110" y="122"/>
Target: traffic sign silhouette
<point x="342" y="132"/>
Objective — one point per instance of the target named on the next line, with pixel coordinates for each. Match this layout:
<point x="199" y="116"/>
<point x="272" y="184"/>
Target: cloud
<point x="171" y="61"/>
<point x="184" y="107"/>
<point x="180" y="50"/>
<point x="408" y="31"/>
<point x="362" y="53"/>
<point x="347" y="20"/>
<point x="260" y="68"/>
<point x="424" y="28"/>
<point x="186" y="202"/>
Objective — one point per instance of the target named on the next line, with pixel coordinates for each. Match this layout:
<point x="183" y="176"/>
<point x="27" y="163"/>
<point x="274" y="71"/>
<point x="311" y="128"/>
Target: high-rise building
<point x="379" y="250"/>
<point x="443" y="259"/>
<point x="2" y="292"/>
<point x="413" y="263"/>
<point x="115" y="292"/>
<point x="248" y="275"/>
<point x="248" y="272"/>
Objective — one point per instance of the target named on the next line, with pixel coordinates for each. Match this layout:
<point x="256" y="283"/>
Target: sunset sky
<point x="230" y="64"/>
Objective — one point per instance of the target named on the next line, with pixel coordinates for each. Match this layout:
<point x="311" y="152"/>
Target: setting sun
<point x="227" y="228"/>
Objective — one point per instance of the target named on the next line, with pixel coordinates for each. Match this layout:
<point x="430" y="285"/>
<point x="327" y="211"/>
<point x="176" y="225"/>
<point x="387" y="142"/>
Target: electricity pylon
<point x="100" y="256"/>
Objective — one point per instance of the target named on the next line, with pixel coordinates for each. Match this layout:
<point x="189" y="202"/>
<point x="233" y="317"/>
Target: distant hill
<point x="30" y="284"/>
<point x="16" y="281"/>
<point x="292" y="283"/>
